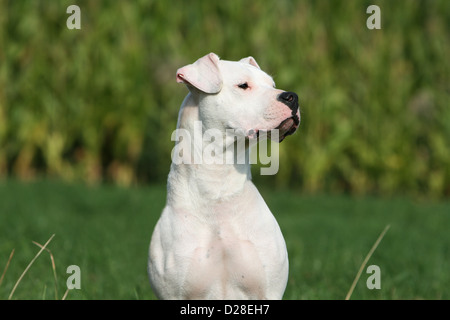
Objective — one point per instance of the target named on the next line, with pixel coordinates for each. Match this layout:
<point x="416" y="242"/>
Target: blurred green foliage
<point x="100" y="103"/>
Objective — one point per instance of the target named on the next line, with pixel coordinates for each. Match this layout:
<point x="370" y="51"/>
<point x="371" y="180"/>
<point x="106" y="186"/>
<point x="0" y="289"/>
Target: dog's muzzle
<point x="289" y="125"/>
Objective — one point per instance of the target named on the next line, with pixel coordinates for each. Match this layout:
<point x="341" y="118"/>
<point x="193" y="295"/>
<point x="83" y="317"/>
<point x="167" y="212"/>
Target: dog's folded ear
<point x="251" y="61"/>
<point x="203" y="74"/>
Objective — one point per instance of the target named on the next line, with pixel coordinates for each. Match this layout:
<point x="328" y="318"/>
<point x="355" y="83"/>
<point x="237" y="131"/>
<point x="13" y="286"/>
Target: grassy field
<point x="97" y="106"/>
<point x="106" y="230"/>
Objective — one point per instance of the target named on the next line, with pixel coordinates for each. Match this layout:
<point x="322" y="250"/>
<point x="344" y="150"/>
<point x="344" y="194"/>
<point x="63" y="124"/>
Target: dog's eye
<point x="243" y="85"/>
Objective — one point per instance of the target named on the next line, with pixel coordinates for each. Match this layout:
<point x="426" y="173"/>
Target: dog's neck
<point x="196" y="173"/>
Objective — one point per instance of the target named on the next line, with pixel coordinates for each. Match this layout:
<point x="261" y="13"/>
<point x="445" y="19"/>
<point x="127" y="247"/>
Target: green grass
<point x="106" y="231"/>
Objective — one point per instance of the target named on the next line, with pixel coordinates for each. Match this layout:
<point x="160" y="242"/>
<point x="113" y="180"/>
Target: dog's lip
<point x="287" y="127"/>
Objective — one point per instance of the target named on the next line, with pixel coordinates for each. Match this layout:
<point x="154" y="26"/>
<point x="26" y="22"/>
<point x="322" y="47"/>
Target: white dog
<point x="216" y="237"/>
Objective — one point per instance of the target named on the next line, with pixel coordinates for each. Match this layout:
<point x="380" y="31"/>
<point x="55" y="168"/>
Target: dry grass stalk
<point x="53" y="267"/>
<point x="375" y="245"/>
<point x="28" y="267"/>
<point x="6" y="267"/>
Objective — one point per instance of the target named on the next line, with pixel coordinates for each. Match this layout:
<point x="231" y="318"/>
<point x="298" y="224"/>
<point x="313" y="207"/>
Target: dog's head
<point x="239" y="95"/>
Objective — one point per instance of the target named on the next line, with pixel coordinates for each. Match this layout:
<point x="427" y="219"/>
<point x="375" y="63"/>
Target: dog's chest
<point x="226" y="266"/>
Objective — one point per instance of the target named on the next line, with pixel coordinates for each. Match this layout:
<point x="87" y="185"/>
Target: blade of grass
<point x="28" y="267"/>
<point x="44" y="292"/>
<point x="7" y="265"/>
<point x="65" y="294"/>
<point x="53" y="267"/>
<point x="374" y="247"/>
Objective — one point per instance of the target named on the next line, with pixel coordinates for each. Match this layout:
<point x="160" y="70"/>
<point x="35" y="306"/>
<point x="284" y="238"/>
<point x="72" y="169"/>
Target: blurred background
<point x="99" y="104"/>
<point x="86" y="118"/>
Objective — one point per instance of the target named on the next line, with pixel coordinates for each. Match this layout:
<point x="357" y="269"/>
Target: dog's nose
<point x="290" y="99"/>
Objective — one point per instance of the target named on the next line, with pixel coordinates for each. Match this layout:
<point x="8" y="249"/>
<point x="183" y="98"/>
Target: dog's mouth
<point x="288" y="127"/>
<point x="285" y="128"/>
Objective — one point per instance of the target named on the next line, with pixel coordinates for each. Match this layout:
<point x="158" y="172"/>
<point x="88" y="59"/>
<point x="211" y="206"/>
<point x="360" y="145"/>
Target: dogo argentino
<point x="216" y="237"/>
